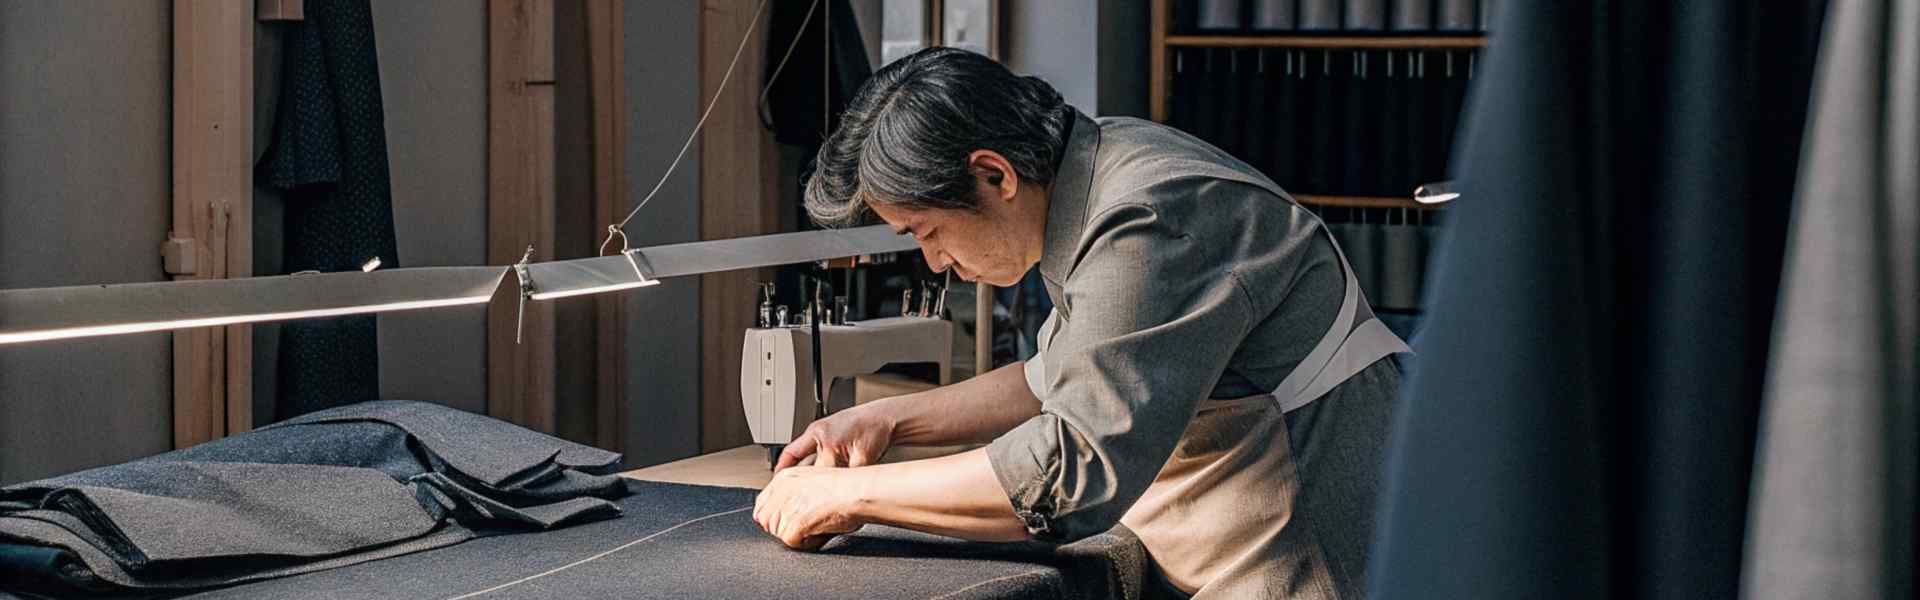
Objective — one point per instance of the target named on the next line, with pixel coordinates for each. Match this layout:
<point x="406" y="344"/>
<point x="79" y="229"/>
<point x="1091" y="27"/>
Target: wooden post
<point x="212" y="209"/>
<point x="982" y="328"/>
<point x="520" y="206"/>
<point x="606" y="66"/>
<point x="1158" y="87"/>
<point x="737" y="198"/>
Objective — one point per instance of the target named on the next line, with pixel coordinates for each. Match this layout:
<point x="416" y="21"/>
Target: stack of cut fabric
<point x="332" y="488"/>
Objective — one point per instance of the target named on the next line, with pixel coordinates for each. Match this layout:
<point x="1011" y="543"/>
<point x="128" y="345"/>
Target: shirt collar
<point x="1067" y="201"/>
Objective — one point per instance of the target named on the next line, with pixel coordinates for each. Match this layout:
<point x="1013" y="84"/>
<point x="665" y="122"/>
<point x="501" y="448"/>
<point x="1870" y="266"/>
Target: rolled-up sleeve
<point x="1152" y="318"/>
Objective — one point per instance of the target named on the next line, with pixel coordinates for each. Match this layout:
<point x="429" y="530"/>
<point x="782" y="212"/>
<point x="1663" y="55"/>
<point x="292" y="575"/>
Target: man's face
<point x="995" y="244"/>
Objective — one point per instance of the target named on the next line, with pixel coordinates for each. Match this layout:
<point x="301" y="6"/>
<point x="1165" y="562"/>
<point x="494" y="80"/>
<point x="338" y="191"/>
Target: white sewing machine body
<point x="776" y="367"/>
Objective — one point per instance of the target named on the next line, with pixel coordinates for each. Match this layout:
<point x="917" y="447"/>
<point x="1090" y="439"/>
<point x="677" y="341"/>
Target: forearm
<point x="970" y="412"/>
<point x="956" y="496"/>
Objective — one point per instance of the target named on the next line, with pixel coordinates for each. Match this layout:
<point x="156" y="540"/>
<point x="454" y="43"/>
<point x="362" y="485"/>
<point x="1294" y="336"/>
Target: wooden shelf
<point x="1410" y="42"/>
<point x="1362" y="202"/>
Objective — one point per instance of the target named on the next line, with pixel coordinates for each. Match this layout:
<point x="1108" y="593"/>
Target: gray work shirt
<point x="1175" y="279"/>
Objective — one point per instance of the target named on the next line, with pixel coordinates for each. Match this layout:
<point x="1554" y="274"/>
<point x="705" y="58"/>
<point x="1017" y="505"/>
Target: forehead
<point x="899" y="217"/>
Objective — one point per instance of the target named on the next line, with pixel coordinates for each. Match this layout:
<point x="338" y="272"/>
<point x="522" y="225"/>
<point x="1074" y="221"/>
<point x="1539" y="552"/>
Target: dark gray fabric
<point x="728" y="556"/>
<point x="1339" y="447"/>
<point x="1834" y="503"/>
<point x="140" y="509"/>
<point x="494" y="452"/>
<point x="1580" y="420"/>
<point x="337" y="487"/>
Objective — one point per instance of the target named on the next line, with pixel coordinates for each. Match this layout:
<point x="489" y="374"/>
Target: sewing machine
<point x="777" y="368"/>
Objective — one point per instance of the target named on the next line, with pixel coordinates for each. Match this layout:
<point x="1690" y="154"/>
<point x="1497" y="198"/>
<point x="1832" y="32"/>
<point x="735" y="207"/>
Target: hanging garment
<point x="329" y="155"/>
<point x="333" y="488"/>
<point x="1832" y="514"/>
<point x="1403" y="261"/>
<point x="793" y="109"/>
<point x="1581" y="419"/>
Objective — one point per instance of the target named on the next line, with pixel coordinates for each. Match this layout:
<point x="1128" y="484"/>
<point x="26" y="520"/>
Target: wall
<point x="663" y="342"/>
<point x="1093" y="51"/>
<point x="433" y="78"/>
<point x="85" y="182"/>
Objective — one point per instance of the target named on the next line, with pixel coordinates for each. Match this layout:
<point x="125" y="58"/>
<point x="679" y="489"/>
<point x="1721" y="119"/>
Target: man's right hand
<point x="855" y="437"/>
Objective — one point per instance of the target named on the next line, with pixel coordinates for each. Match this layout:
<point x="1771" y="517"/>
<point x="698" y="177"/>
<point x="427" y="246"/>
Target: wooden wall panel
<point x="212" y="191"/>
<point x="520" y="205"/>
<point x="606" y="66"/>
<point x="738" y="170"/>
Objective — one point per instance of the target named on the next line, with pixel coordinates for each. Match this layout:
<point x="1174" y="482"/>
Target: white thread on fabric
<point x="599" y="556"/>
<point x="994" y="580"/>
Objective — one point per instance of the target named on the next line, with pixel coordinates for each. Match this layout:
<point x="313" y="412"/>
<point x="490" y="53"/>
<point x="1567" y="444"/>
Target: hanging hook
<point x="612" y="230"/>
<point x="526" y="290"/>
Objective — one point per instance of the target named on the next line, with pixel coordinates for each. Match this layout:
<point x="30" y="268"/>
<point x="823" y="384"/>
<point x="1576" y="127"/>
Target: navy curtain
<point x="1581" y="417"/>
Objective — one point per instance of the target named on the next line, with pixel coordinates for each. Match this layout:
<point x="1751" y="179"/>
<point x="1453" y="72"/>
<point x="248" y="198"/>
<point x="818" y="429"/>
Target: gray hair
<point x="906" y="135"/>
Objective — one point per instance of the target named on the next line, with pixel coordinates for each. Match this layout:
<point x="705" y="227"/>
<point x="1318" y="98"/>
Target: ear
<point x="993" y="171"/>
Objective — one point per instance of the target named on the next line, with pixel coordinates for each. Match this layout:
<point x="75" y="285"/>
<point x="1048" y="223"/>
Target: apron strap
<point x="1343" y="352"/>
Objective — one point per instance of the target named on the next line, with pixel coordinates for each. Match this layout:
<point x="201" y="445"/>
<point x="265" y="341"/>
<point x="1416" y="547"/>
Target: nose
<point x="936" y="259"/>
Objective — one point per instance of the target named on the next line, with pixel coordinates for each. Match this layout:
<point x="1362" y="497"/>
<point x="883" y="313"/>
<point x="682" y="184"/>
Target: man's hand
<point x="855" y="437"/>
<point x="806" y="506"/>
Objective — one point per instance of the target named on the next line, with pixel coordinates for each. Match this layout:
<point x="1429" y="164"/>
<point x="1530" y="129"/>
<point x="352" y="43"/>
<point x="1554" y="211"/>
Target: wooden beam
<point x="212" y="208"/>
<point x="1160" y="87"/>
<point x="520" y="206"/>
<point x="737" y="198"/>
<point x="1363" y="202"/>
<point x="282" y="10"/>
<point x="606" y="67"/>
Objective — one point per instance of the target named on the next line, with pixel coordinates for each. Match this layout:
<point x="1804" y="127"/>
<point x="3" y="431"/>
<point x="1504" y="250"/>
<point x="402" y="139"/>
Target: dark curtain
<point x="329" y="154"/>
<point x="1580" y="420"/>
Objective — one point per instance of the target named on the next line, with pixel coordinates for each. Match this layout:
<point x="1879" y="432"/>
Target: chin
<point x="1002" y="281"/>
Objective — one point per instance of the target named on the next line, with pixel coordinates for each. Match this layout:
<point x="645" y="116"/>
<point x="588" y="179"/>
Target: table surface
<point x="747" y="467"/>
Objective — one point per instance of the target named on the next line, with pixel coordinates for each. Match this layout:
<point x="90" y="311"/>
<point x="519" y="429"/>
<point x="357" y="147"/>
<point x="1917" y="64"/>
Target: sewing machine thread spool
<point x="766" y="305"/>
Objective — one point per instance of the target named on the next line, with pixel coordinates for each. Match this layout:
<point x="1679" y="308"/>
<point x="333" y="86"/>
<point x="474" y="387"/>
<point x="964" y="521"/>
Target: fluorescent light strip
<point x="152" y="326"/>
<point x="593" y="290"/>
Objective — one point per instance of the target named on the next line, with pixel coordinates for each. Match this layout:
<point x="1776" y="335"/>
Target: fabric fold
<point x="333" y="488"/>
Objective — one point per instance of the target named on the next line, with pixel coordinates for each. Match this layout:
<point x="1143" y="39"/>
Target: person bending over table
<point x="1211" y="376"/>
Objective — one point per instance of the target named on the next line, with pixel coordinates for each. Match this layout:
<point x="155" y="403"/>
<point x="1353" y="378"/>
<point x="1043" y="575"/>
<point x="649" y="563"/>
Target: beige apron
<point x="1215" y="518"/>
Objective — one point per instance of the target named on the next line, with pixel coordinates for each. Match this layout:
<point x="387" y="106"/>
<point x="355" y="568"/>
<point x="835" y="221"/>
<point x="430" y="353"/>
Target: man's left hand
<point x="806" y="506"/>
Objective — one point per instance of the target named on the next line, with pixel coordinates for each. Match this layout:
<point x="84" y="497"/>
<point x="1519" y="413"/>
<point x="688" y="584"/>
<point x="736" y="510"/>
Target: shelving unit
<point x="1361" y="202"/>
<point x="1164" y="40"/>
<point x="1378" y="42"/>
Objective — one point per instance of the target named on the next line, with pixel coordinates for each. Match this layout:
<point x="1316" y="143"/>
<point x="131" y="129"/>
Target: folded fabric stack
<point x="332" y="488"/>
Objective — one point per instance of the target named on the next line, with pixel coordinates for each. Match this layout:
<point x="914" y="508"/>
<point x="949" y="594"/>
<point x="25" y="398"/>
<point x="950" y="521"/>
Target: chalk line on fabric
<point x="600" y="555"/>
